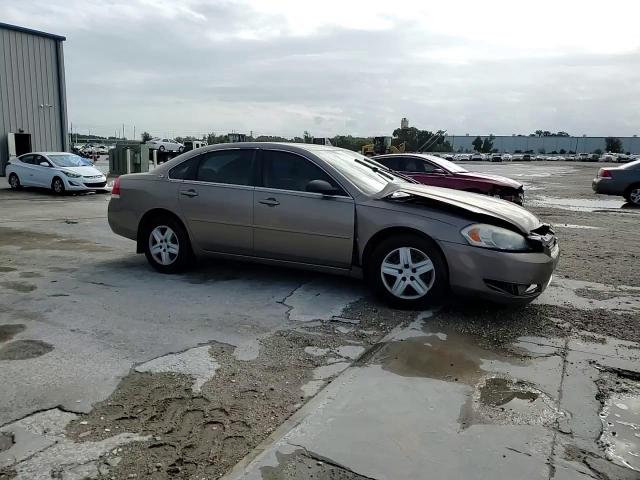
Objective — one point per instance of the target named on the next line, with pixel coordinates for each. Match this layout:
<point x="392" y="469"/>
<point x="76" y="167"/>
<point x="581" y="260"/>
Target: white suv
<point x="167" y="144"/>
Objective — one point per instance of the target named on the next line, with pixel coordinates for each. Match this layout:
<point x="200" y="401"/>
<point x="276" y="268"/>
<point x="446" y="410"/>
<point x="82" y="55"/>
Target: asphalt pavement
<point x="111" y="370"/>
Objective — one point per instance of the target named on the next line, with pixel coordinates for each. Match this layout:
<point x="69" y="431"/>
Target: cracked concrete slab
<point x="320" y="300"/>
<point x="386" y="424"/>
<point x="562" y="293"/>
<point x="196" y="362"/>
<point x="41" y="447"/>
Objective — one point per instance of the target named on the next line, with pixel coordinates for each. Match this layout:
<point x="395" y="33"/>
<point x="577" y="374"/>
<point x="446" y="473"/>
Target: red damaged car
<point x="438" y="172"/>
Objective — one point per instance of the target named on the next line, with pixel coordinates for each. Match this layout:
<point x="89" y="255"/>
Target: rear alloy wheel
<point x="161" y="148"/>
<point x="14" y="181"/>
<point x="166" y="245"/>
<point x="57" y="186"/>
<point x="408" y="271"/>
<point x="633" y="195"/>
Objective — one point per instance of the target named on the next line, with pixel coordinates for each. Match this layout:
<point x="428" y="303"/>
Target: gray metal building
<point x="32" y="92"/>
<point x="515" y="143"/>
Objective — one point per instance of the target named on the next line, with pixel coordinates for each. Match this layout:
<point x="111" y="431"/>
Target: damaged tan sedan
<point x="333" y="210"/>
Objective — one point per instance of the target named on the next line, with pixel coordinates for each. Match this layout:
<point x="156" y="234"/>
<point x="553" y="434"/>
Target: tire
<point x="14" y="182"/>
<point x="632" y="194"/>
<point x="161" y="148"/>
<point x="434" y="281"/>
<point x="180" y="149"/>
<point x="57" y="186"/>
<point x="166" y="245"/>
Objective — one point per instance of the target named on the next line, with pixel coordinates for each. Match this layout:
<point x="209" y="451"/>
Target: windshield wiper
<point x="375" y="168"/>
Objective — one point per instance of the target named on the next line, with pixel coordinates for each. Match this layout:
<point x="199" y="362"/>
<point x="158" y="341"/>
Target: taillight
<point x="115" y="190"/>
<point x="604" y="173"/>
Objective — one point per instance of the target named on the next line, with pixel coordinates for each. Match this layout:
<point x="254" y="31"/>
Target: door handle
<point x="271" y="202"/>
<point x="189" y="193"/>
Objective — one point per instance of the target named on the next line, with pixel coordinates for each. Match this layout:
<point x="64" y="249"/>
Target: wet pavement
<point x="110" y="370"/>
<point x="430" y="401"/>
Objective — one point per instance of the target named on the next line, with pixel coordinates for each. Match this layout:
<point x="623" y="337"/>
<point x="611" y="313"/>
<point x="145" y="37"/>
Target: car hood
<point x="85" y="171"/>
<point x="485" y="208"/>
<point x="499" y="179"/>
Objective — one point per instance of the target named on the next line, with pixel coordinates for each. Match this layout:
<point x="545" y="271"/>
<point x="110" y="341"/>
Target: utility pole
<point x="134" y="132"/>
<point x="123" y="130"/>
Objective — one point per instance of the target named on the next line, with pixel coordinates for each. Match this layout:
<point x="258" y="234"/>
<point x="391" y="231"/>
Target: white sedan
<point x="167" y="144"/>
<point x="59" y="171"/>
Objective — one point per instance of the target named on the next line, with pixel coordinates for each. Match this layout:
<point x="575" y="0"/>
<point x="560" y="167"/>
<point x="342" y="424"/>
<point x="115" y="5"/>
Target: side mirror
<point x="44" y="164"/>
<point x="439" y="170"/>
<point x="321" y="186"/>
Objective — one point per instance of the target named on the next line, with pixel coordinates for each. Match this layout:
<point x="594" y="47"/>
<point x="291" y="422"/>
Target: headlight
<point x="71" y="174"/>
<point x="490" y="236"/>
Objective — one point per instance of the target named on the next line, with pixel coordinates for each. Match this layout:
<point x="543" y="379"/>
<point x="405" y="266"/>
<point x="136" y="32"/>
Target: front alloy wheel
<point x="407" y="273"/>
<point x="57" y="185"/>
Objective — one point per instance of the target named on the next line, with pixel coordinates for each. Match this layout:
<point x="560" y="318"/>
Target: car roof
<point x="300" y="148"/>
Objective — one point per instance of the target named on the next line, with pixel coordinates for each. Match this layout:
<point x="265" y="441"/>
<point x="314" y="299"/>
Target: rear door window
<point x="233" y="167"/>
<point x="185" y="170"/>
<point x="27" y="159"/>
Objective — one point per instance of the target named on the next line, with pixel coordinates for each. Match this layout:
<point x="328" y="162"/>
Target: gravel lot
<point x="111" y="370"/>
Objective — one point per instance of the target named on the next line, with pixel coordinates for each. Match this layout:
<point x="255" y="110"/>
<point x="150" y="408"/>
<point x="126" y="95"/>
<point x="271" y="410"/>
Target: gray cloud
<point x="219" y="66"/>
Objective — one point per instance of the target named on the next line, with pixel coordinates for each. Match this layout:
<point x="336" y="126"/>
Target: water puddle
<point x="6" y="441"/>
<point x="450" y="356"/>
<point x="21" y="287"/>
<point x="7" y="332"/>
<point x="453" y="357"/>
<point x="510" y="402"/>
<point x="577" y="204"/>
<point x="577" y="227"/>
<point x="304" y="464"/>
<point x="621" y="429"/>
<point x="24" y="349"/>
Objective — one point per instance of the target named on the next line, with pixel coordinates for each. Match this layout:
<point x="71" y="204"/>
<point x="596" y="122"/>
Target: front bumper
<point x="77" y="184"/>
<point x="503" y="277"/>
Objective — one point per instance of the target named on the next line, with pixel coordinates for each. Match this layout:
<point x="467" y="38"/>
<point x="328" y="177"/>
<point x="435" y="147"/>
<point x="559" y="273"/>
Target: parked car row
<point x="330" y="209"/>
<point x="527" y="157"/>
<point x="88" y="149"/>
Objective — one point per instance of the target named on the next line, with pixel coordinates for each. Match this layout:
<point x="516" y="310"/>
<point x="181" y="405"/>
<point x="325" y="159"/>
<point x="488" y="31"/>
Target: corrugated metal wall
<point x="548" y="144"/>
<point x="32" y="92"/>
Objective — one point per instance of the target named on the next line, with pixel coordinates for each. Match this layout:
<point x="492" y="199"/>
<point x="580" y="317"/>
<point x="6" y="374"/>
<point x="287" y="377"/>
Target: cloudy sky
<point x="279" y="67"/>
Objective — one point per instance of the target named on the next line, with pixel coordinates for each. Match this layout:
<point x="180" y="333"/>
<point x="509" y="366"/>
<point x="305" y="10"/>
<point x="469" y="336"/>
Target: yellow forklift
<point x="380" y="146"/>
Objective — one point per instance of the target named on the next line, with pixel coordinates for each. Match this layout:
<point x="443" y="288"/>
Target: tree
<point x="416" y="139"/>
<point x="146" y="136"/>
<point x="487" y="144"/>
<point x="539" y="133"/>
<point x="597" y="151"/>
<point x="351" y="143"/>
<point x="614" y="144"/>
<point x="562" y="134"/>
<point x="562" y="151"/>
<point x="308" y="138"/>
<point x="477" y="144"/>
